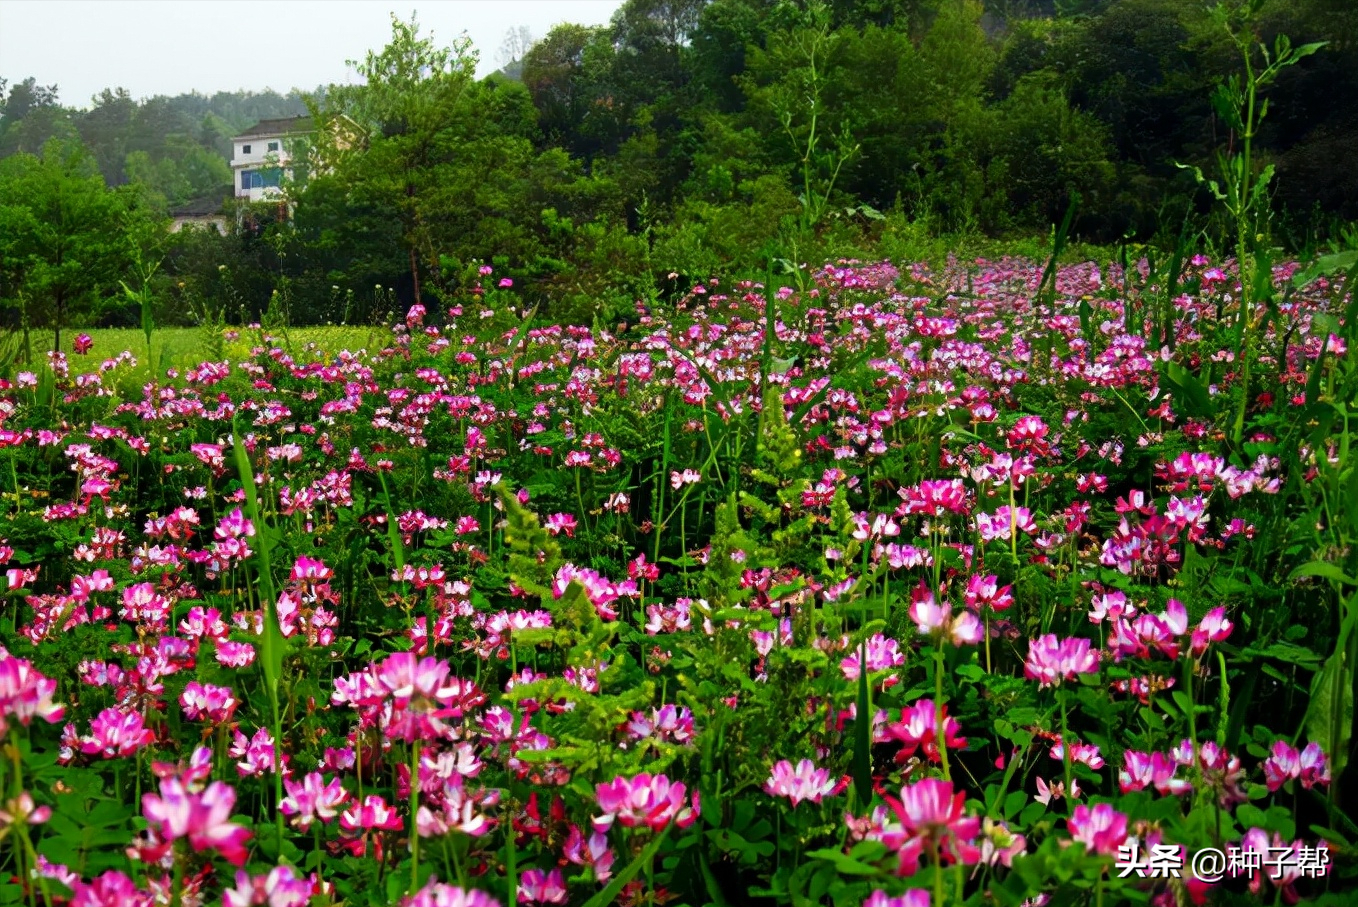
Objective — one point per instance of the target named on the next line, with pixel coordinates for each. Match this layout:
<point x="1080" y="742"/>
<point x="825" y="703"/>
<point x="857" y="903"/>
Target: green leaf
<point x="271" y="645"/>
<point x="1190" y="389"/>
<point x="1324" y="569"/>
<point x="862" y="733"/>
<point x="1329" y="717"/>
<point x="844" y="863"/>
<point x="1325" y="266"/>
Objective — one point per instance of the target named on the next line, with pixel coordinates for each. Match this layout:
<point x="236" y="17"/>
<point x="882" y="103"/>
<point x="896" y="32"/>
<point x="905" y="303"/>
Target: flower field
<point x="892" y="588"/>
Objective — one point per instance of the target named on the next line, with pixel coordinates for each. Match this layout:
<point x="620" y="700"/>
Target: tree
<point x="107" y="130"/>
<point x="63" y="245"/>
<point x="411" y="102"/>
<point x="31" y="117"/>
<point x="564" y="74"/>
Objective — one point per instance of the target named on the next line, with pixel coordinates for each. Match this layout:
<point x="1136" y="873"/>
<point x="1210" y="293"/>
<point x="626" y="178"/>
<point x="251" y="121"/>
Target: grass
<point x="184" y="348"/>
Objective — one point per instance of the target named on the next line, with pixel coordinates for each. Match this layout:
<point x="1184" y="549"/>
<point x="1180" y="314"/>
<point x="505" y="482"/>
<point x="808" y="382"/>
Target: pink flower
<point x="593" y="852"/>
<point x="1055" y="791"/>
<point x="915" y="897"/>
<point x="558" y="523"/>
<point x="115" y="734"/>
<point x="687" y="477"/>
<point x="25" y="694"/>
<point x="202" y="818"/>
<point x="805" y="782"/>
<point x="934" y="498"/>
<point x="999" y="844"/>
<point x="1100" y="829"/>
<point x="538" y="887"/>
<point x="437" y="894"/>
<point x="1214" y="627"/>
<point x="204" y="701"/>
<point x="1142" y="770"/>
<point x="931" y="818"/>
<point x="1079" y="752"/>
<point x="644" y="800"/>
<point x="985" y="591"/>
<point x="1051" y="661"/>
<point x="112" y="889"/>
<point x="313" y="799"/>
<point x="82" y="344"/>
<point x="883" y="654"/>
<point x="373" y="812"/>
<point x="938" y="621"/>
<point x="423" y="695"/>
<point x="257" y="754"/>
<point x="235" y="654"/>
<point x="918" y="727"/>
<point x="280" y="887"/>
<point x="22" y="809"/>
<point x="1286" y="764"/>
<point x="1314" y="768"/>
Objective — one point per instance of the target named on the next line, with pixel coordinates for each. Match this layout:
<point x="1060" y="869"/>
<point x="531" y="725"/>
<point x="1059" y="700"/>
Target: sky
<point x="172" y="47"/>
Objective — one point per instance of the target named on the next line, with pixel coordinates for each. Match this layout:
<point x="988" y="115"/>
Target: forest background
<point x="603" y="166"/>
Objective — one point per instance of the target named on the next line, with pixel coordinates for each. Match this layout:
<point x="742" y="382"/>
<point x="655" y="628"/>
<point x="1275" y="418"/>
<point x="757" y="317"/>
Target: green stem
<point x="1065" y="752"/>
<point x="940" y="734"/>
<point x="414" y="816"/>
<point x="1189" y="665"/>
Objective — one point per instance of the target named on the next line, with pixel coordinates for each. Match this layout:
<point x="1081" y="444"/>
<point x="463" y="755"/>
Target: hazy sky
<point x="173" y="47"/>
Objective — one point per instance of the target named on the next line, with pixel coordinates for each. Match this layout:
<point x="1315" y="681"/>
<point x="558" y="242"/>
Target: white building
<point x="260" y="156"/>
<point x="273" y="152"/>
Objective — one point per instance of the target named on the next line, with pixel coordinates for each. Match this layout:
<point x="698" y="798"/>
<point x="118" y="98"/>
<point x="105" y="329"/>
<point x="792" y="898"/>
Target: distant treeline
<point x="178" y="146"/>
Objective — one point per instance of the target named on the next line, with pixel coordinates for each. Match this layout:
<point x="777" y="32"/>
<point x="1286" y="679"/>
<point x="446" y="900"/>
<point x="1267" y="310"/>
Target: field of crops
<point x="884" y="588"/>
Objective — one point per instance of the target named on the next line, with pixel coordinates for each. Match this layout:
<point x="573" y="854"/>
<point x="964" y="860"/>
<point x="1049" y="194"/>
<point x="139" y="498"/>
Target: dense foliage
<point x="861" y="587"/>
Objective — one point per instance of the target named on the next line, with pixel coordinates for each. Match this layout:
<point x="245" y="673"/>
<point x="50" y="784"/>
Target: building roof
<point x="203" y="207"/>
<point x="281" y="126"/>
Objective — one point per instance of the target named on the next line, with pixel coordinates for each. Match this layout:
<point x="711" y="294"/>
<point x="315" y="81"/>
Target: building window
<point x="273" y="146"/>
<point x="244" y="149"/>
<point x="268" y="178"/>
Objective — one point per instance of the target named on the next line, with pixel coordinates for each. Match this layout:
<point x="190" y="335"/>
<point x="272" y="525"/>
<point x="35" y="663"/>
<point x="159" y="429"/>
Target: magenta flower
<point x="112" y="889"/>
<point x="593" y="852"/>
<point x="644" y="800"/>
<point x="805" y="782"/>
<point x="25" y="694"/>
<point x="538" y="887"/>
<point x="1101" y="829"/>
<point x="939" y="622"/>
<point x="206" y="702"/>
<point x="1286" y="764"/>
<point x="437" y="894"/>
<point x="202" y="818"/>
<point x="280" y="887"/>
<point x="915" y="897"/>
<point x="372" y="813"/>
<point x="1052" y="661"/>
<point x="313" y="799"/>
<point x="1142" y="770"/>
<point x="558" y="523"/>
<point x="934" y="498"/>
<point x="115" y="734"/>
<point x="884" y="654"/>
<point x="918" y="727"/>
<point x="931" y="818"/>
